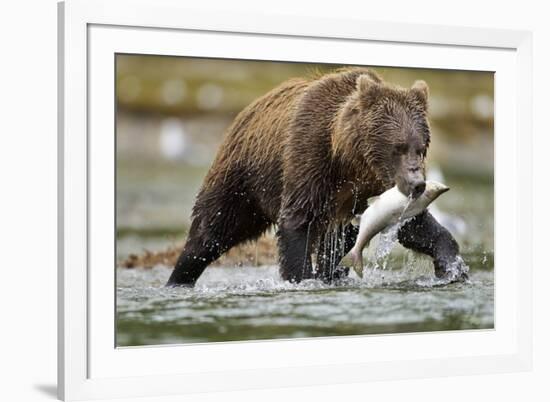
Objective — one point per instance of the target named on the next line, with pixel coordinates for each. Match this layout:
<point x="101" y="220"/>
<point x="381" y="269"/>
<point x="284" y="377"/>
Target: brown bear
<point x="306" y="157"/>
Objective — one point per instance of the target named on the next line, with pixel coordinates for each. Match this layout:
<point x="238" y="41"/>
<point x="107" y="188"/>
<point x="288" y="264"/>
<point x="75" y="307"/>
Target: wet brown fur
<point x="305" y="156"/>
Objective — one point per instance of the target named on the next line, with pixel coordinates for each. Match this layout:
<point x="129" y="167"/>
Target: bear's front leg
<point x="333" y="246"/>
<point x="425" y="235"/>
<point x="295" y="248"/>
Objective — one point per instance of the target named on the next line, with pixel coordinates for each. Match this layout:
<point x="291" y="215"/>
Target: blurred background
<point x="172" y="113"/>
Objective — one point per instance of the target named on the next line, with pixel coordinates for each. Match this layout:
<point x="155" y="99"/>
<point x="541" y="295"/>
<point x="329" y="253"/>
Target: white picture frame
<point x="91" y="32"/>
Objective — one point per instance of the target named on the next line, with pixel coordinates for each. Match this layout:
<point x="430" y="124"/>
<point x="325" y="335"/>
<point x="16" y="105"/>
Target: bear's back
<point x="291" y="121"/>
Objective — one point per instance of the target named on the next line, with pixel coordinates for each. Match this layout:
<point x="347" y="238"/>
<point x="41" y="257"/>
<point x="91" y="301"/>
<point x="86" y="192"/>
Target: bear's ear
<point x="420" y="90"/>
<point x="368" y="89"/>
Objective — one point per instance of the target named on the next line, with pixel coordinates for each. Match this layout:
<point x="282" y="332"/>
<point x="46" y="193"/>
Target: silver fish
<point x="388" y="209"/>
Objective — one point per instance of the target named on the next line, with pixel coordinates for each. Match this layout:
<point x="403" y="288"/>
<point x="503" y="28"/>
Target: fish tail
<point x="357" y="258"/>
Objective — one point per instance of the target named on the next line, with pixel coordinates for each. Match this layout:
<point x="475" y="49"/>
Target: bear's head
<point x="385" y="130"/>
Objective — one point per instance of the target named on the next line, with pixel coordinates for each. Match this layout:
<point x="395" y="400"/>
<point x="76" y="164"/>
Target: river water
<point x="247" y="303"/>
<point x="251" y="302"/>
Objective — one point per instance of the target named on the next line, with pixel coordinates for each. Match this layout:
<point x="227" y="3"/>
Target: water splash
<point x="305" y="264"/>
<point x="387" y="239"/>
<point x="457" y="269"/>
<point x="242" y="303"/>
<point x="332" y="249"/>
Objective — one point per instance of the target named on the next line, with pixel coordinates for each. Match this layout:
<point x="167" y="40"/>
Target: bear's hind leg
<point x="198" y="253"/>
<point x="212" y="233"/>
<point x="295" y="248"/>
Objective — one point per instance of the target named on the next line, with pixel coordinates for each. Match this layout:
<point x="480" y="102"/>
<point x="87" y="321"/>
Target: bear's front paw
<point x="451" y="270"/>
